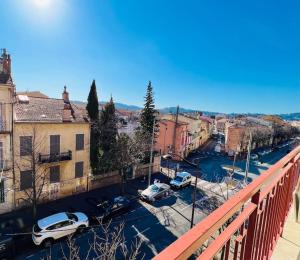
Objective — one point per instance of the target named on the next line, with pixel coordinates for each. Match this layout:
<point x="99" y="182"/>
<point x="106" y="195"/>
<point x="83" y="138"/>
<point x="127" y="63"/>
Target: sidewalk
<point x="288" y="246"/>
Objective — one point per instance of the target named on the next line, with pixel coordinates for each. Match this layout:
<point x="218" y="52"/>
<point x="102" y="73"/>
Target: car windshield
<point x="178" y="178"/>
<point x="72" y="216"/>
<point x="153" y="188"/>
<point x="36" y="228"/>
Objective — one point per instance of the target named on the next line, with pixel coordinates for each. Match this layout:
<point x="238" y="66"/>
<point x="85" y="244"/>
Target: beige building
<point x="50" y="151"/>
<point x="6" y="106"/>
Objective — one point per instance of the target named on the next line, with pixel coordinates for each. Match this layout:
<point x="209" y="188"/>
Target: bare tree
<point x="130" y="151"/>
<point x="27" y="159"/>
<point x="104" y="242"/>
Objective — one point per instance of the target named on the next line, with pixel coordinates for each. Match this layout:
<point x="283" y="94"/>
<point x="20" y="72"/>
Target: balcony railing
<point x="249" y="224"/>
<point x="5" y="165"/>
<point x="4" y="126"/>
<point x="49" y="158"/>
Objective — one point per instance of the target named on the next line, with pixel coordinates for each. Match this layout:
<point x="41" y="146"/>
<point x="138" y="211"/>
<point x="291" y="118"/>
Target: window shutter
<point x="25" y="145"/>
<point x="2" y="197"/>
<point x="54" y="144"/>
<point x="78" y="169"/>
<point x="54" y="174"/>
<point x="25" y="180"/>
<point x="79" y="142"/>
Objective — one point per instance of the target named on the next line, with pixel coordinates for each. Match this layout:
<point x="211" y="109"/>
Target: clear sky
<point x="226" y="56"/>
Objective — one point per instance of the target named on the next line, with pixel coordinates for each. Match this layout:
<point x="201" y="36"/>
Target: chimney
<point x="6" y="62"/>
<point x="65" y="95"/>
<point x="67" y="113"/>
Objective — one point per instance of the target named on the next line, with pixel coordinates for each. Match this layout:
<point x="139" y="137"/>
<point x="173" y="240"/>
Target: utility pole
<point x="194" y="200"/>
<point x="175" y="128"/>
<point x="151" y="153"/>
<point x="248" y="159"/>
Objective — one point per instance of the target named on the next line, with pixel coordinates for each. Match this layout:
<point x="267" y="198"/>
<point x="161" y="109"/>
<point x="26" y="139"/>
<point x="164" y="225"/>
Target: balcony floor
<point x="288" y="246"/>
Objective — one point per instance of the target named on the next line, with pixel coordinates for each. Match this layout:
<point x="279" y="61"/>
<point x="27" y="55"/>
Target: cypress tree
<point x="93" y="112"/>
<point x="108" y="137"/>
<point x="93" y="105"/>
<point x="148" y="112"/>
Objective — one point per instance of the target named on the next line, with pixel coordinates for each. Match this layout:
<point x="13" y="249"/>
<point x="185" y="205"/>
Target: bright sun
<point x="42" y="3"/>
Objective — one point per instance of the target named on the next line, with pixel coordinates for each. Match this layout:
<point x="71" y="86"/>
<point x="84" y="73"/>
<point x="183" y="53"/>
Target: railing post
<point x="250" y="239"/>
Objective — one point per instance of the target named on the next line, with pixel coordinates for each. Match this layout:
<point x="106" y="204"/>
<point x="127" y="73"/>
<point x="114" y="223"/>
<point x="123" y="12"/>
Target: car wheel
<point x="47" y="242"/>
<point x="80" y="229"/>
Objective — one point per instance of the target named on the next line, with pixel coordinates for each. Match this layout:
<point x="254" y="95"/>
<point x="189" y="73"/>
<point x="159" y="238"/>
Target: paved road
<point x="162" y="222"/>
<point x="212" y="163"/>
<point x="157" y="224"/>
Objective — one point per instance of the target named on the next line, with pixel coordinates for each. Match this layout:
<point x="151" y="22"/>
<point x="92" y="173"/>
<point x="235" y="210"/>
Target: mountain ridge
<point x="118" y="105"/>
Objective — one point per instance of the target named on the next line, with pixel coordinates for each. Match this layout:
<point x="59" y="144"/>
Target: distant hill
<point x="117" y="105"/>
<point x="291" y="116"/>
<point x="172" y="110"/>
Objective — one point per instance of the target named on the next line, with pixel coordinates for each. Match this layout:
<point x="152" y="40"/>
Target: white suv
<point x="58" y="225"/>
<point x="182" y="179"/>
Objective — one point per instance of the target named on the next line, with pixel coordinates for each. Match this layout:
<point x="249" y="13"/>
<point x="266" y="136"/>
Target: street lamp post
<point x="197" y="166"/>
<point x="151" y="151"/>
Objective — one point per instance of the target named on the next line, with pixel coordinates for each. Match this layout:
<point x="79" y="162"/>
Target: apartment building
<point x="173" y="137"/>
<point x="6" y="107"/>
<point x="50" y="147"/>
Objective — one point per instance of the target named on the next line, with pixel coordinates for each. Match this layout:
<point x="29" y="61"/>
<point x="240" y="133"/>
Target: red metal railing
<point x="249" y="224"/>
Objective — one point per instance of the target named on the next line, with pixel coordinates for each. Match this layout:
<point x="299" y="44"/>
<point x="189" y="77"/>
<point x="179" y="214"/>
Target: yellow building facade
<point x="6" y="107"/>
<point x="44" y="143"/>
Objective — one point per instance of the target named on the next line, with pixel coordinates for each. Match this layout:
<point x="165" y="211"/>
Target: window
<point x="2" y="197"/>
<point x="25" y="180"/>
<point x="79" y="142"/>
<point x="54" y="174"/>
<point x="78" y="169"/>
<point x="54" y="144"/>
<point x="25" y="145"/>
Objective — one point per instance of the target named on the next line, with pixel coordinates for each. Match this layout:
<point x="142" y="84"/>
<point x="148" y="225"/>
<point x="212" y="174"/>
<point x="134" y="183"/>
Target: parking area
<point x="157" y="224"/>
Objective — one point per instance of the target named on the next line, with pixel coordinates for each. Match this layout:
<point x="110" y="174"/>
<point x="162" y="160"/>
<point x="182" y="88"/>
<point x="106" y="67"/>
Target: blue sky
<point x="226" y="56"/>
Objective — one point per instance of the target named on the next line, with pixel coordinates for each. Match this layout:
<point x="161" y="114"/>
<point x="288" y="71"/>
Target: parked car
<point x="111" y="208"/>
<point x="182" y="179"/>
<point x="7" y="246"/>
<point x="53" y="227"/>
<point x="262" y="153"/>
<point x="155" y="191"/>
<point x="268" y="151"/>
<point x="254" y="156"/>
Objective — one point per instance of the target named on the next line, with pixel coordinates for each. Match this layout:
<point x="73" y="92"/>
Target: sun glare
<point x="42" y="3"/>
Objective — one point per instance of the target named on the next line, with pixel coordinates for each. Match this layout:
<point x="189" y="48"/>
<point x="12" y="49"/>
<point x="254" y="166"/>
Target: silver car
<point x="155" y="191"/>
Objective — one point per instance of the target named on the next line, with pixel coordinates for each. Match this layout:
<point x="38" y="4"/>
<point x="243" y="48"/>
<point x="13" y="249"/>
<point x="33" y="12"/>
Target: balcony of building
<point x="4" y="127"/>
<point x="58" y="157"/>
<point x="258" y="222"/>
<point x="5" y="165"/>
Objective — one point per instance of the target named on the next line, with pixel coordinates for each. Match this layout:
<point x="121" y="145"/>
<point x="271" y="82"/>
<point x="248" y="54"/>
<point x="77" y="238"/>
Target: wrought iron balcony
<point x="4" y="126"/>
<point x="5" y="165"/>
<point x="58" y="157"/>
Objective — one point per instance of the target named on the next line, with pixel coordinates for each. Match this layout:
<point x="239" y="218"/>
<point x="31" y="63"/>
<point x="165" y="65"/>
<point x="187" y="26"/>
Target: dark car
<point x="112" y="208"/>
<point x="6" y="244"/>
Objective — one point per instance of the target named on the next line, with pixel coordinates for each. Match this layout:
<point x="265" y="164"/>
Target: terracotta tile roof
<point x="47" y="110"/>
<point x="124" y="112"/>
<point x="207" y="119"/>
<point x="33" y="94"/>
<point x="173" y="121"/>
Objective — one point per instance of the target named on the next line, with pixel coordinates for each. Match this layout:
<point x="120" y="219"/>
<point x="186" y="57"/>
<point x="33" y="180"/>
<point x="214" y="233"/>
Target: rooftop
<point x="39" y="109"/>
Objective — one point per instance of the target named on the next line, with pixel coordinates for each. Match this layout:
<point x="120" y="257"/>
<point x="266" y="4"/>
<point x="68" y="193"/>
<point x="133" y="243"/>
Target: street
<point x="162" y="222"/>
